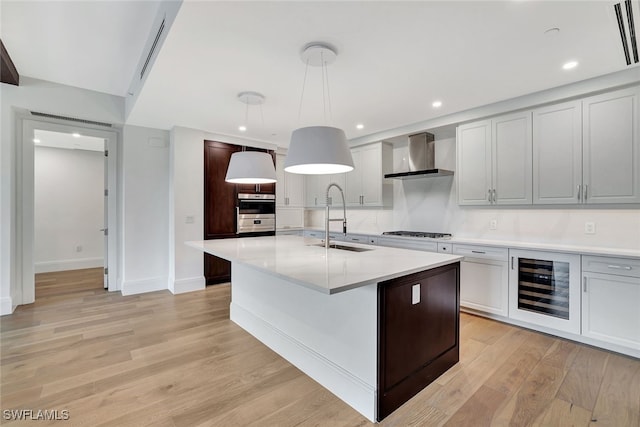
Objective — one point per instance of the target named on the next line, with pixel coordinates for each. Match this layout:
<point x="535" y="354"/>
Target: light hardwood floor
<point x="163" y="360"/>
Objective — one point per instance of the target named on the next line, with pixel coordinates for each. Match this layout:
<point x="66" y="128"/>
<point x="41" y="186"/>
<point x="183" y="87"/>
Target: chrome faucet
<point x="327" y="219"/>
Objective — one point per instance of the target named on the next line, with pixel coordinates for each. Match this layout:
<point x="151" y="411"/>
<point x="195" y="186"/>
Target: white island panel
<point x="331" y="338"/>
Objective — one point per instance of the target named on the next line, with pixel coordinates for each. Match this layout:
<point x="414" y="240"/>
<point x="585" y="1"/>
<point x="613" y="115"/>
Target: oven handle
<point x="257" y="200"/>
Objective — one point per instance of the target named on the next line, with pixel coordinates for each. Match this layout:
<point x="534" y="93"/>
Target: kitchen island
<point x="374" y="325"/>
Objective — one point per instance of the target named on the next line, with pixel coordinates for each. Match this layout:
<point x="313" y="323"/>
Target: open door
<point x="105" y="230"/>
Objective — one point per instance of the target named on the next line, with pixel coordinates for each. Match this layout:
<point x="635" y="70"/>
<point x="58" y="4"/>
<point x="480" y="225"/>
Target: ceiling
<point x="46" y="138"/>
<point x="394" y="58"/>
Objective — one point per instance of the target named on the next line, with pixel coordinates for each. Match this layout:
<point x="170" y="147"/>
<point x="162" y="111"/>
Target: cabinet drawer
<point x="408" y="244"/>
<point x="445" y="248"/>
<point x="482" y="252"/>
<point x="609" y="265"/>
<point x="356" y="238"/>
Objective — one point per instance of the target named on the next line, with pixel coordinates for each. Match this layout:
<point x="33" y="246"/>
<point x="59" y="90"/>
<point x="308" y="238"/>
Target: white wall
<point x="69" y="209"/>
<point x="186" y="208"/>
<point x="45" y="97"/>
<point x="430" y="204"/>
<point x="186" y="189"/>
<point x="144" y="254"/>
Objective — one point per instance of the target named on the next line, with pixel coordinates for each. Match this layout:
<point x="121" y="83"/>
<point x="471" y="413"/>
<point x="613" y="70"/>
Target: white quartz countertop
<point x="295" y="259"/>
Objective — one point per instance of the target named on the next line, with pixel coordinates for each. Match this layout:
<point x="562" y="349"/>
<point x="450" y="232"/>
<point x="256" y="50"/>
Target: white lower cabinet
<point x="611" y="300"/>
<point x="484" y="278"/>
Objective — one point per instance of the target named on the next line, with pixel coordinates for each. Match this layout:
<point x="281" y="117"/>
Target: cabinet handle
<point x="579" y="187"/>
<point x="495" y="201"/>
<point x="489" y="195"/>
<point x="237" y="219"/>
<point x="478" y="252"/>
<point x="315" y="201"/>
<point x="512" y="263"/>
<point x="619" y="267"/>
<point x="584" y="284"/>
<point x="586" y="188"/>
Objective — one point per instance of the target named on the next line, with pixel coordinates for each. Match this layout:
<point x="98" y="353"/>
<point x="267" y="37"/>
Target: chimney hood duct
<point x="421" y="159"/>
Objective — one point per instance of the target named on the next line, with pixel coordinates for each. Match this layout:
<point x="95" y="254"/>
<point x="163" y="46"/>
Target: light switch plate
<point x="415" y="294"/>
<point x="493" y="224"/>
<point x="589" y="228"/>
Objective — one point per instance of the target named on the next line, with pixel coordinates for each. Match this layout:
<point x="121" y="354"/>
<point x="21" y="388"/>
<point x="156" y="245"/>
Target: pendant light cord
<point x="326" y="71"/>
<point x="304" y="81"/>
<point x="324" y="101"/>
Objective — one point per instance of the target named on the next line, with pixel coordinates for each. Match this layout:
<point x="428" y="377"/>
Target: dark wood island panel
<point x="418" y="337"/>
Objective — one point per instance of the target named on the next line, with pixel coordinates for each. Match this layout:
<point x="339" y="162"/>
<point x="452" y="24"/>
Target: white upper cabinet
<point x="511" y="148"/>
<point x="494" y="161"/>
<point x="366" y="185"/>
<point x="557" y="153"/>
<point x="611" y="147"/>
<point x="316" y="190"/>
<point x="588" y="151"/>
<point x="474" y="163"/>
<point x="289" y="186"/>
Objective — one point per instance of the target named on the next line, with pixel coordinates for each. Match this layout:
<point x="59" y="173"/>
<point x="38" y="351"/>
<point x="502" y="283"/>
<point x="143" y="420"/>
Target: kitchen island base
<point x="374" y="347"/>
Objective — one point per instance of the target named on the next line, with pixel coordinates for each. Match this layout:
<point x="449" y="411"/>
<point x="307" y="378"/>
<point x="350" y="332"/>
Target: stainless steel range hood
<point x="421" y="159"/>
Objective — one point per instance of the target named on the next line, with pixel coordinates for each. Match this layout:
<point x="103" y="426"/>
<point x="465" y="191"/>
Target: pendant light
<point x="250" y="167"/>
<point x="318" y="150"/>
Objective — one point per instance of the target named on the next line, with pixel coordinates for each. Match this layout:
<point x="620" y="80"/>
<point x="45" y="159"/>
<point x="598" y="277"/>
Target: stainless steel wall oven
<point x="256" y="214"/>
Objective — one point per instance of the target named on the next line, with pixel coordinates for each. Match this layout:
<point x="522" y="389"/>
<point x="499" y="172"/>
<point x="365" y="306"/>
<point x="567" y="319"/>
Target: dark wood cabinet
<point x="418" y="328"/>
<point x="219" y="206"/>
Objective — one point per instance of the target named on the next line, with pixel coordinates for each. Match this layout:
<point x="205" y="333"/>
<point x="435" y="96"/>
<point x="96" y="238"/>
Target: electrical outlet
<point x="189" y="219"/>
<point x="493" y="224"/>
<point x="589" y="228"/>
<point x="79" y="248"/>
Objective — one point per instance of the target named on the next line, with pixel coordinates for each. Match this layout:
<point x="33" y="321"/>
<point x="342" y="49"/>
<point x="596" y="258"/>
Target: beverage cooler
<point x="544" y="289"/>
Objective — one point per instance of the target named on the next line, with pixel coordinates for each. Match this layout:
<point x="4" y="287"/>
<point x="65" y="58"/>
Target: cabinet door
<point x="294" y="184"/>
<point x="557" y="153"/>
<point x="219" y="195"/>
<point x="511" y="159"/>
<point x="353" y="182"/>
<point x="371" y="171"/>
<point x="611" y="145"/>
<point x="315" y="190"/>
<point x="484" y="286"/>
<point x="474" y="163"/>
<point x="281" y="188"/>
<point x="610" y="309"/>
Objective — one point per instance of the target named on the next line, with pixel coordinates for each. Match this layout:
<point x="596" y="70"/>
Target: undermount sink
<point x="344" y="248"/>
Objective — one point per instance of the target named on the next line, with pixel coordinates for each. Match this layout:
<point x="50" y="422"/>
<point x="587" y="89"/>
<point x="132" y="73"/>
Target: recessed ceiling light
<point x="242" y="128"/>
<point x="75" y="135"/>
<point x="359" y="126"/>
<point x="569" y="65"/>
<point x="36" y="140"/>
<point x="436" y="104"/>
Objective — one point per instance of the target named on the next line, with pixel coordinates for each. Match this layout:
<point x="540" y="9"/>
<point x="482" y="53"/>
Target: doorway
<point x="69" y="211"/>
<point x="29" y="255"/>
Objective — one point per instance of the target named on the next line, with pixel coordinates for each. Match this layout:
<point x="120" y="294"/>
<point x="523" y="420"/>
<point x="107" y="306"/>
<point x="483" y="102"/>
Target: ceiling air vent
<point x="72" y="119"/>
<point x="153" y="48"/>
<point x="626" y="26"/>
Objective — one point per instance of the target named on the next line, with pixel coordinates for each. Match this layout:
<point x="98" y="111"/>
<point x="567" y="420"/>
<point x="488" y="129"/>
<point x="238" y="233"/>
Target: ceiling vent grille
<point x="626" y="26"/>
<point x="71" y="119"/>
<point x="153" y="48"/>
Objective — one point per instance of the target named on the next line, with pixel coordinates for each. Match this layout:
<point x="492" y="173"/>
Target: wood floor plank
<point x="582" y="383"/>
<point x="563" y="414"/>
<point x="166" y="360"/>
<point x="618" y="402"/>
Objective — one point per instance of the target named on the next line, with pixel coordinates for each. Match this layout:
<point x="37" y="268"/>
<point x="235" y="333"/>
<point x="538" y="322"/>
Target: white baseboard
<point x="6" y="306"/>
<point x="190" y="284"/>
<point x="352" y="390"/>
<point x="132" y="287"/>
<point x="68" y="264"/>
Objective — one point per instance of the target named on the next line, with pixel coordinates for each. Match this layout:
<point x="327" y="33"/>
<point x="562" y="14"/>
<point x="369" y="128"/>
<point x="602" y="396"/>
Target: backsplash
<point x="429" y="204"/>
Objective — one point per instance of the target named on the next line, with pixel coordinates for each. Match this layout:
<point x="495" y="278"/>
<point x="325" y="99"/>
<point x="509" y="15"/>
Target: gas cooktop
<point x="422" y="234"/>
